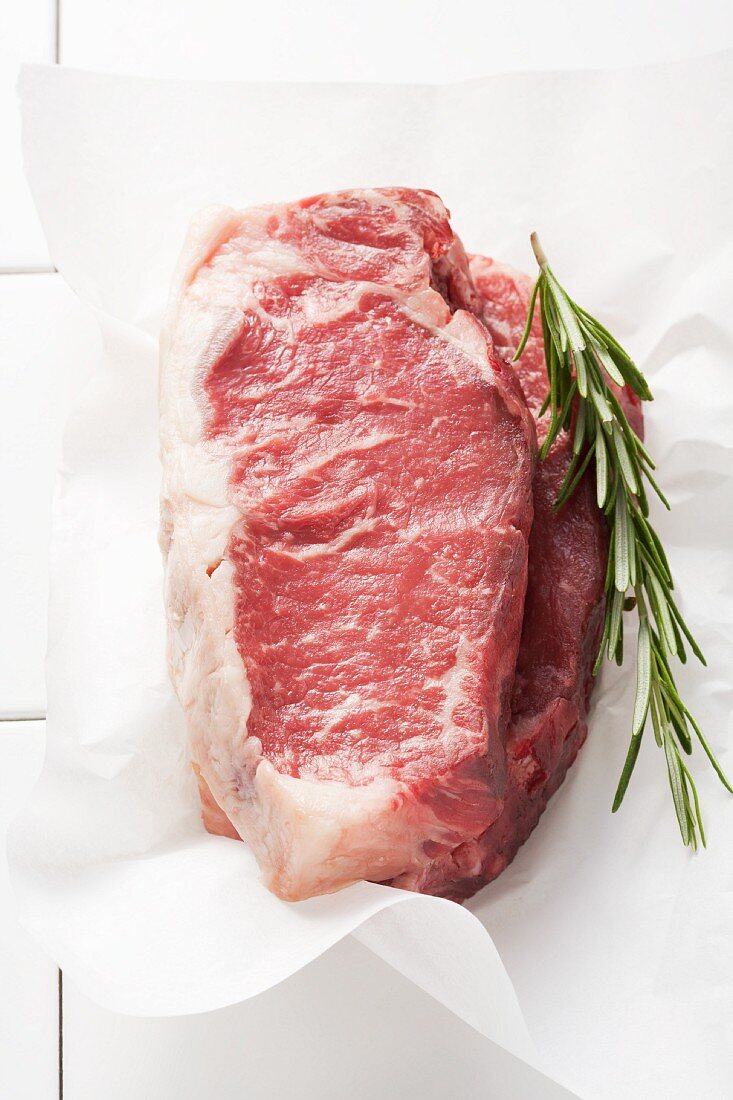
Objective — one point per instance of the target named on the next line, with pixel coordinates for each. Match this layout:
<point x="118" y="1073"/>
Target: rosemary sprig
<point x="582" y="358"/>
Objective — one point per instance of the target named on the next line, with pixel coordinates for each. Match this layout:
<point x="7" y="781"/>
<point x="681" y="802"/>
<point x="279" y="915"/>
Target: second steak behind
<point x="563" y="614"/>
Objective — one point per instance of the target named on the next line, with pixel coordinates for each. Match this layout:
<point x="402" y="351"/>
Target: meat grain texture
<point x="346" y="514"/>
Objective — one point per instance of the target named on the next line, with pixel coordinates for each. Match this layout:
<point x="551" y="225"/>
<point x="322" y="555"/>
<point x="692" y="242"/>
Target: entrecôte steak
<point x="346" y="513"/>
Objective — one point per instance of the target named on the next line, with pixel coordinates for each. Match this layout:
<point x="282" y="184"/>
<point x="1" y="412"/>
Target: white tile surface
<point x="27" y="33"/>
<point x="28" y="980"/>
<point x="48" y="342"/>
<point x="315" y="1037"/>
<point x="382" y="39"/>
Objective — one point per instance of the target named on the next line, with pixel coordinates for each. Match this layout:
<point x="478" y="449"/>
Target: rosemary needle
<point x="583" y="362"/>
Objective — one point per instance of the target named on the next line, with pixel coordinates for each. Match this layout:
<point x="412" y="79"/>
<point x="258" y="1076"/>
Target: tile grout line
<point x="47" y="269"/>
<point x="30" y="269"/>
<point x="57" y="59"/>
<point x="61" y="1033"/>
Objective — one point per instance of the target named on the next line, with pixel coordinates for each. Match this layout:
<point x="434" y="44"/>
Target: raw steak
<point x="563" y="616"/>
<point x="346" y="510"/>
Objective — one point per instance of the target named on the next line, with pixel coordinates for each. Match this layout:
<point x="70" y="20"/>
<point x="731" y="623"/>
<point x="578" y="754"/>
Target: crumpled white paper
<point x="617" y="941"/>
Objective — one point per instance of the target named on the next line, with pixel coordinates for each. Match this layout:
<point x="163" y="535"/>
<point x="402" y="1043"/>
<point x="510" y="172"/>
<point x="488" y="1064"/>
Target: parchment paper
<point x="617" y="941"/>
